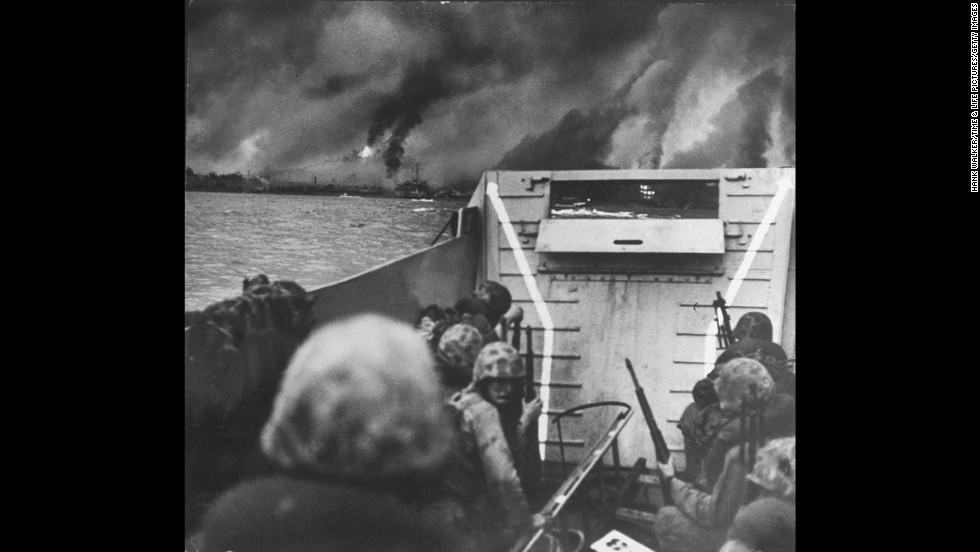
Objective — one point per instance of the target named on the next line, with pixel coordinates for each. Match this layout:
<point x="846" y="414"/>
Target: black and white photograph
<point x="489" y="276"/>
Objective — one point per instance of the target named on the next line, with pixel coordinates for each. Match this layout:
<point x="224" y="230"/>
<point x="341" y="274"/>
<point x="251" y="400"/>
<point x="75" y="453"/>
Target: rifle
<point x="529" y="393"/>
<point x="751" y="431"/>
<point x="659" y="443"/>
<point x="723" y="322"/>
<point x="531" y="472"/>
<point x="751" y="425"/>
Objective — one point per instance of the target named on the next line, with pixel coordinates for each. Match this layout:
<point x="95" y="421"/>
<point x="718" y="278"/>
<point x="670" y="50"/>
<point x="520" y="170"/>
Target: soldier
<point x="482" y="477"/>
<point x="235" y="354"/>
<point x="702" y="419"/>
<point x="779" y="421"/>
<point x="356" y="431"/>
<point x="769" y="522"/>
<point x="457" y="351"/>
<point x="428" y="319"/>
<point x="753" y="325"/>
<point x="477" y="313"/>
<point x="497" y="298"/>
<point x="698" y="521"/>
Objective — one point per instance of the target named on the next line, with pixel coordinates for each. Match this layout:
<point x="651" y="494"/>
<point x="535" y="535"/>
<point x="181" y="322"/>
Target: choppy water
<point x="313" y="240"/>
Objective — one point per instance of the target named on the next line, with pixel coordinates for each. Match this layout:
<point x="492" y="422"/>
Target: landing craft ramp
<point x="611" y="284"/>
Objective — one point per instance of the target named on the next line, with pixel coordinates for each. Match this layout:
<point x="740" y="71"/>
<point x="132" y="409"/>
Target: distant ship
<point x="414" y="188"/>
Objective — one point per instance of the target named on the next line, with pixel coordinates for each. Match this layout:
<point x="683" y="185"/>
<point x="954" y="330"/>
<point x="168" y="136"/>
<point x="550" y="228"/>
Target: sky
<point x="359" y="92"/>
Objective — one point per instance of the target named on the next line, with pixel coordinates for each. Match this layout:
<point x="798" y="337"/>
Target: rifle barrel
<point x="659" y="443"/>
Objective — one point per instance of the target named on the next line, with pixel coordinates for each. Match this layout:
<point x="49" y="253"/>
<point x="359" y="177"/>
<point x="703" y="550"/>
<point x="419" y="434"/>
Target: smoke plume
<point x="466" y="87"/>
<point x="741" y="135"/>
<point x="675" y="106"/>
<point x="579" y="141"/>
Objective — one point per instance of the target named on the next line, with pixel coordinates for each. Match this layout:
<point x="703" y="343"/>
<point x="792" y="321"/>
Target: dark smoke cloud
<point x="702" y="39"/>
<point x="237" y="52"/>
<point x="302" y="84"/>
<point x="333" y="85"/>
<point x="401" y="111"/>
<point x="593" y="30"/>
<point x="742" y="134"/>
<point x="578" y="142"/>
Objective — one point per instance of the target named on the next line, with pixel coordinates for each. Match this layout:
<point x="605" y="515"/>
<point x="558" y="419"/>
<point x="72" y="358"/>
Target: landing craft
<point x="595" y="290"/>
<point x="606" y="266"/>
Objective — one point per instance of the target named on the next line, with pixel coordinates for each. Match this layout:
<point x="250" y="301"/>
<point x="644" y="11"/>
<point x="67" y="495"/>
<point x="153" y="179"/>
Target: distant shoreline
<point x="237" y="184"/>
<point x="315" y="192"/>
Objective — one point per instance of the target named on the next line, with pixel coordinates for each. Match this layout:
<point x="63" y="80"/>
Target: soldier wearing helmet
<point x="498" y="370"/>
<point x="455" y="355"/>
<point x="753" y="325"/>
<point x="496" y="297"/>
<point x="698" y="521"/>
<point x="769" y="354"/>
<point x="482" y="478"/>
<point x="476" y="313"/>
<point x="779" y="418"/>
<point x="769" y="522"/>
<point x="702" y="419"/>
<point x="356" y="428"/>
<point x="428" y="319"/>
<point x="775" y="469"/>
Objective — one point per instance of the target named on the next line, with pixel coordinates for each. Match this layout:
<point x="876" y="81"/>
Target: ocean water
<point x="312" y="240"/>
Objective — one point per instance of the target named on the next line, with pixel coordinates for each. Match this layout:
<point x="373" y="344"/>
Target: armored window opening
<point x="635" y="199"/>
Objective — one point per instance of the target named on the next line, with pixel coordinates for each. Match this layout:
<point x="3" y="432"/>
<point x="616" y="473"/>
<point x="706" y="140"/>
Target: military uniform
<point x="698" y="521"/>
<point x="482" y="476"/>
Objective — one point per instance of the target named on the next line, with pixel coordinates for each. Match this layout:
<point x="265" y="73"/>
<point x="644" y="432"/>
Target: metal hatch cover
<point x="631" y="236"/>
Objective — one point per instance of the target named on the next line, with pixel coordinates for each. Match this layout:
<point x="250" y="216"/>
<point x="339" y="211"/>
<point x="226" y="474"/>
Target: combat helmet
<point x="737" y="378"/>
<point x="775" y="468"/>
<point x="496" y="296"/>
<point x="457" y="351"/>
<point x="342" y="410"/>
<point x="498" y="360"/>
<point x="754" y="325"/>
<point x="770" y="354"/>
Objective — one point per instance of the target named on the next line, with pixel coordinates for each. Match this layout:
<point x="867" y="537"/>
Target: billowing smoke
<point x="789" y="113"/>
<point x="578" y="142"/>
<point x="466" y="87"/>
<point x="741" y="136"/>
<point x="678" y="108"/>
<point x="333" y="85"/>
<point x="401" y="111"/>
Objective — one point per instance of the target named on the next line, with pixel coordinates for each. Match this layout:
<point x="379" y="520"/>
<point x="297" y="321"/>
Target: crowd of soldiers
<point x="374" y="435"/>
<point x="730" y="498"/>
